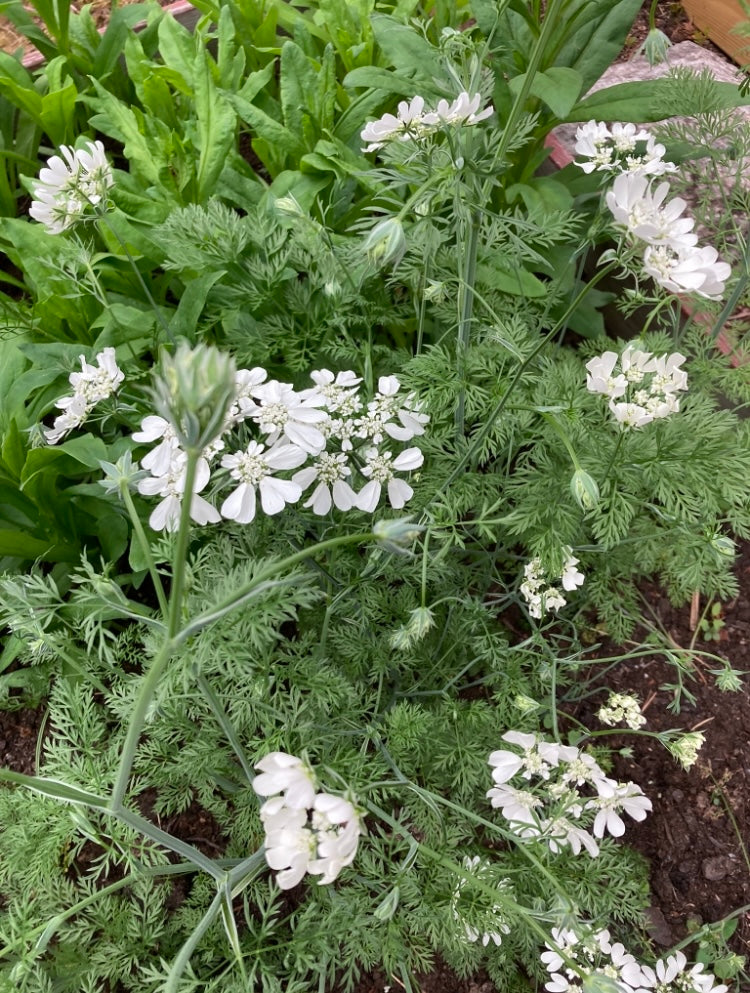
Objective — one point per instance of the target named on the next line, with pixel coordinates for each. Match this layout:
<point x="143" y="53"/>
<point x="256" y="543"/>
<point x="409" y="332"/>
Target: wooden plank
<point x="716" y="18"/>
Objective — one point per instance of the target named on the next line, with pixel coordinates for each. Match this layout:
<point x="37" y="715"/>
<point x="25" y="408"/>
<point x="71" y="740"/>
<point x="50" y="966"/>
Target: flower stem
<point x="145" y="549"/>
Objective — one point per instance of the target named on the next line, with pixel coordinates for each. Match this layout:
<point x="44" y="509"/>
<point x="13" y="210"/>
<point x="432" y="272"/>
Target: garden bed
<point x="693" y="838"/>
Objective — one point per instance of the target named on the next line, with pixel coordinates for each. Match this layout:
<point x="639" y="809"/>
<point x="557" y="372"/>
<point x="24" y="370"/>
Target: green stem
<point x="480" y="436"/>
<point x="145" y="549"/>
<point x="466" y="307"/>
<point x="137" y="720"/>
<point x="262" y="577"/>
<point x="183" y="540"/>
<point x="142" y="281"/>
<point x="509" y="131"/>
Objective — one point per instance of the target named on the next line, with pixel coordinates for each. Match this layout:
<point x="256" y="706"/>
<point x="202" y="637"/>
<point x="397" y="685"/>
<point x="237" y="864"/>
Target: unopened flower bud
<point x="525" y="703"/>
<point x="584" y="489"/>
<point x="655" y="47"/>
<point x="386" y="243"/>
<point x="193" y="391"/>
<point x="723" y="546"/>
<point x="386" y="910"/>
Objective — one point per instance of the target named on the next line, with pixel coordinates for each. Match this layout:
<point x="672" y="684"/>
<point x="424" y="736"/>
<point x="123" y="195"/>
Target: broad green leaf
<point x="298" y="84"/>
<point x="375" y="78"/>
<point x="177" y="47"/>
<point x="601" y="30"/>
<point x="283" y="141"/>
<point x="185" y="321"/>
<point x="115" y="118"/>
<point x="14" y="450"/>
<point x="256" y="82"/>
<point x="54" y="788"/>
<point x="404" y="47"/>
<point x="641" y="102"/>
<point x="17" y="86"/>
<point x="56" y="114"/>
<point x="217" y="123"/>
<point x="558" y="87"/>
<point x="22" y="545"/>
<point x="119" y="29"/>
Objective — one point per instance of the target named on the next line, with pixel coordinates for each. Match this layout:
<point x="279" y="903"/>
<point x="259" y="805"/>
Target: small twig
<point x="695" y="606"/>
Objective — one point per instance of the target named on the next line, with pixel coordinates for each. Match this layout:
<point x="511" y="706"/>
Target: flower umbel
<point x="71" y="186"/>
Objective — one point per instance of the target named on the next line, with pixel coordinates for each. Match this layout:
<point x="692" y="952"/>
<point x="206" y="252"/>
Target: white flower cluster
<point x="622" y="708"/>
<point x="90" y="386"/>
<point x="463" y="911"/>
<point x="412" y="121"/>
<point x="571" y="959"/>
<point x="644" y="385"/>
<point x="67" y="187"/>
<point x="550" y="806"/>
<point x="617" y="150"/>
<point x="328" y="426"/>
<point x="306" y="831"/>
<point x="537" y="590"/>
<point x="671" y="256"/>
<point x="685" y="748"/>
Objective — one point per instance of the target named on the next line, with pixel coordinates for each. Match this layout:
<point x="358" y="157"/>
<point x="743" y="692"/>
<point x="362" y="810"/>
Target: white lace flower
<point x="463" y="110"/>
<point x="254" y="469"/>
<point x="284" y="413"/>
<point x="561" y="832"/>
<point x="244" y="404"/>
<point x="601" y="377"/>
<point x="613" y="798"/>
<point x="340" y="392"/>
<point x="622" y="708"/>
<point x="331" y="470"/>
<point x="289" y="842"/>
<point x="380" y="468"/>
<point x="287" y="774"/>
<point x="571" y="577"/>
<point x="91" y="385"/>
<point x="159" y="459"/>
<point x="171" y="487"/>
<point x="692" y="270"/>
<point x="671" y="975"/>
<point x="67" y="187"/>
<point x="337" y="829"/>
<point x="76" y="410"/>
<point x="404" y="125"/>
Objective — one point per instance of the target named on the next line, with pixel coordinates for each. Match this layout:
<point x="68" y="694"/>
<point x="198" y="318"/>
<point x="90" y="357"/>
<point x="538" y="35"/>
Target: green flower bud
<point x="388" y="907"/>
<point x="386" y="243"/>
<point x="193" y="391"/>
<point x="655" y="47"/>
<point x="584" y="490"/>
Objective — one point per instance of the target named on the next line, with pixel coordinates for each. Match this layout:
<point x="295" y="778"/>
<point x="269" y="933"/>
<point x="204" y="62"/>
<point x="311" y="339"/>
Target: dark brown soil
<point x="695" y="837"/>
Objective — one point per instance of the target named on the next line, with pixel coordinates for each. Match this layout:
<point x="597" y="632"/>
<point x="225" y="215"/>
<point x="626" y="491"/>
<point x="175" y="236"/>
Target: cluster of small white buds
<point x="90" y="386"/>
<point x="549" y="805"/>
<point x="71" y="186"/>
<point x="641" y="387"/>
<point x="622" y="708"/>
<point x="306" y="832"/>
<point x="686" y="747"/>
<point x="413" y="121"/>
<point x="584" y="960"/>
<point x="538" y="591"/>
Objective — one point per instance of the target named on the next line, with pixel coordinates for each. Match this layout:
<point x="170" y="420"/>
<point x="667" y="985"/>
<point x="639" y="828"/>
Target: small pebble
<point x="717" y="867"/>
